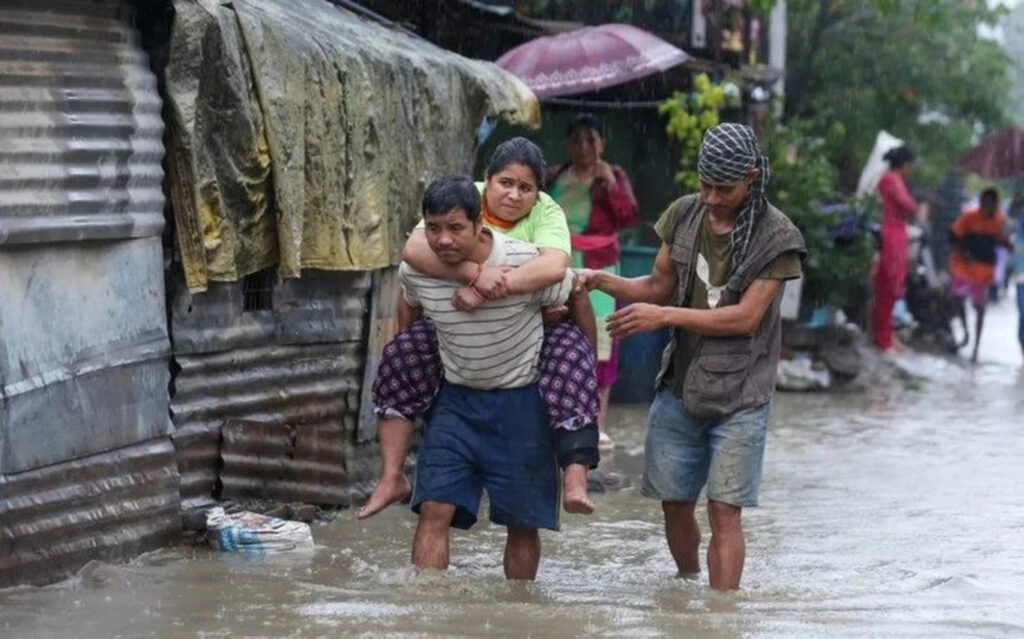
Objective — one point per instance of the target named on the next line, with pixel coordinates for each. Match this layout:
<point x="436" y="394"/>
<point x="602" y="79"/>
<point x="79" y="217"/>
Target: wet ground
<point x="897" y="513"/>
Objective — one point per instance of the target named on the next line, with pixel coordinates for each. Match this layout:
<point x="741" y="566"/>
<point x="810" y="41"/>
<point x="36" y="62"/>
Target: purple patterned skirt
<point x="410" y="374"/>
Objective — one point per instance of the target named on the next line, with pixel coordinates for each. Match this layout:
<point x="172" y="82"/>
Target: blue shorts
<point x="494" y="439"/>
<point x="683" y="453"/>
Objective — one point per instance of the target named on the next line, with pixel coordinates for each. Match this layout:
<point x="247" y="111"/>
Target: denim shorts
<point x="683" y="453"/>
<point x="498" y="440"/>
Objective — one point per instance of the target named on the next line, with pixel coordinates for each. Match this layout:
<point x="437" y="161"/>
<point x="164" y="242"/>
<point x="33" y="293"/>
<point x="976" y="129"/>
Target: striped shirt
<point x="498" y="344"/>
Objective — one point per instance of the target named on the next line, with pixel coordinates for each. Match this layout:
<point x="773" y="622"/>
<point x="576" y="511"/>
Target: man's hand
<point x="554" y="314"/>
<point x="467" y="299"/>
<point x="492" y="283"/>
<point x="637" y="318"/>
<point x="586" y="280"/>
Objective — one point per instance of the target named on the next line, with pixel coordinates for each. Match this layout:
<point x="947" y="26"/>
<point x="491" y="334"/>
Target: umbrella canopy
<point x="590" y="58"/>
<point x="1001" y="155"/>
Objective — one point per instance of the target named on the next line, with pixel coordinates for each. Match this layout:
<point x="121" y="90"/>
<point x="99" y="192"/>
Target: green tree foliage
<point x="916" y="68"/>
<point x="802" y="183"/>
<point x="689" y="115"/>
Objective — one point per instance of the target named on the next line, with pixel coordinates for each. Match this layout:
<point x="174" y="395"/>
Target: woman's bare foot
<point x="576" y="501"/>
<point x="388" y="491"/>
<point x="574" y="490"/>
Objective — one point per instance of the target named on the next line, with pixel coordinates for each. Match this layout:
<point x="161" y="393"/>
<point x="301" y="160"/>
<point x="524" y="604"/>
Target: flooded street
<point x="896" y="513"/>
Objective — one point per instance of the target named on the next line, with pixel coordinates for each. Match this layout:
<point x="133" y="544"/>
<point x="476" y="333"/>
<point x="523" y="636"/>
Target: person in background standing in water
<point x="717" y="282"/>
<point x="598" y="202"/>
<point x="974" y="237"/>
<point x="410" y="371"/>
<point x="488" y="428"/>
<point x="890" y="272"/>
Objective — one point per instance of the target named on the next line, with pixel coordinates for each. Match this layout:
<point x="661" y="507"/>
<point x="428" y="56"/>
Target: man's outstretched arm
<point x="736" y="319"/>
<point x="656" y="288"/>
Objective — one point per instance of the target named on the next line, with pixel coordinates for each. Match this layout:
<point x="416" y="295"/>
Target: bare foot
<point x="575" y="500"/>
<point x="387" y="492"/>
<point x="574" y="490"/>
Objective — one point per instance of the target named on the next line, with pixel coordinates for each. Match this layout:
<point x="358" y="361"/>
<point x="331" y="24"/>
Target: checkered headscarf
<point x="727" y="152"/>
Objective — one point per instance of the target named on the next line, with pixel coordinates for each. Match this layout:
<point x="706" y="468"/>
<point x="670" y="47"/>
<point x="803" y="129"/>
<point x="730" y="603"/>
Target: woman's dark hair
<point x="584" y="121"/>
<point x="447" y="193"/>
<point x="899" y="156"/>
<point x="518" y="151"/>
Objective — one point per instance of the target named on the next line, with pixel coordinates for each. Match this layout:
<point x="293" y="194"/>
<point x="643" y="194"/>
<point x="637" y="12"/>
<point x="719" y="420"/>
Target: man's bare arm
<point x="656" y="288"/>
<point x="736" y="319"/>
<point x="544" y="270"/>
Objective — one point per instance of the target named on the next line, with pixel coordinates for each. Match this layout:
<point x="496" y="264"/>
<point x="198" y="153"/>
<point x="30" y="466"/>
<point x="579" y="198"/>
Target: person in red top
<point x="898" y="208"/>
<point x="975" y="235"/>
<point x="598" y="202"/>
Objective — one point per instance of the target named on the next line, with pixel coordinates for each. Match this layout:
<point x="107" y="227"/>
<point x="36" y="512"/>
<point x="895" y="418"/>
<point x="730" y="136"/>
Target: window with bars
<point x="258" y="290"/>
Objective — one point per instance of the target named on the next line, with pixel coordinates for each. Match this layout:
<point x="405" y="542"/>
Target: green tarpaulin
<point x="303" y="135"/>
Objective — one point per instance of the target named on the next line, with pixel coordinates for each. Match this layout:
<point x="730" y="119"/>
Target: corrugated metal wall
<point x="266" y="401"/>
<point x="83" y="339"/>
<point x="107" y="506"/>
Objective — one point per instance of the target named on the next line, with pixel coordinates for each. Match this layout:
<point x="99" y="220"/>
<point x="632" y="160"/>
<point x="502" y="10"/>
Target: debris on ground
<point x="195" y="520"/>
<point x="250" y="532"/>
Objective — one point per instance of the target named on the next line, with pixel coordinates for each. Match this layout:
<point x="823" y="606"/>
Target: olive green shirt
<point x="714" y="258"/>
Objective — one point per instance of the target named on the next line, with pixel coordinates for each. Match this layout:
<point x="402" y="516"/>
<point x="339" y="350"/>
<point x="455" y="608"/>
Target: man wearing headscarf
<point x="717" y="282"/>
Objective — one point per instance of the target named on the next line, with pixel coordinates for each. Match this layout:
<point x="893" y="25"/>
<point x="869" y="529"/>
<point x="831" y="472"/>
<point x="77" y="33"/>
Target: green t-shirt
<point x="544" y="226"/>
<point x="574" y="197"/>
<point x="714" y="257"/>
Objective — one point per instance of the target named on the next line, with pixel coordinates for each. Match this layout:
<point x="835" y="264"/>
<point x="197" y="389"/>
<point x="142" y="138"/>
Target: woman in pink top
<point x="898" y="208"/>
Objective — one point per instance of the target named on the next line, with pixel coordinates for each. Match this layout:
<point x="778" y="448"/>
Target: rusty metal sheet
<point x="297" y="363"/>
<point x="319" y="307"/>
<point x="284" y="462"/>
<point x="314" y="387"/>
<point x="80" y="126"/>
<point x="109" y="506"/>
<point x="87" y="468"/>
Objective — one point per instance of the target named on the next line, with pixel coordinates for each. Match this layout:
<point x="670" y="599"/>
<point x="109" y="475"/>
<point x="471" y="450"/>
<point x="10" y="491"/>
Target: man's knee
<point x="436" y="513"/>
<point x="673" y="509"/>
<point x="725" y="518"/>
<point x="523" y="536"/>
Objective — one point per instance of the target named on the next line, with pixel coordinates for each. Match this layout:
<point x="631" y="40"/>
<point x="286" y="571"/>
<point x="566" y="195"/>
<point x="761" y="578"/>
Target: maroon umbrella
<point x="589" y="58"/>
<point x="1001" y="155"/>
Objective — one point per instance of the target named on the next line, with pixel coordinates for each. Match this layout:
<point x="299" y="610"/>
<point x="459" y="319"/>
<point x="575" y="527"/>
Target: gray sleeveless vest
<point x="729" y="374"/>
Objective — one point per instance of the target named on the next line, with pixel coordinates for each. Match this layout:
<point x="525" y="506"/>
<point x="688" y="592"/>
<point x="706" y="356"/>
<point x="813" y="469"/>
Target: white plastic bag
<point x="251" y="532"/>
<point x="876" y="166"/>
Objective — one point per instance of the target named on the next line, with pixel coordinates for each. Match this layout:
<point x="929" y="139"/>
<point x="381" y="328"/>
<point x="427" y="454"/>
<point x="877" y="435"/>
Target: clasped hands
<point x="490" y="284"/>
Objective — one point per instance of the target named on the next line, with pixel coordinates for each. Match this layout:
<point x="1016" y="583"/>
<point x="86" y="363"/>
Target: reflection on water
<point x="893" y="513"/>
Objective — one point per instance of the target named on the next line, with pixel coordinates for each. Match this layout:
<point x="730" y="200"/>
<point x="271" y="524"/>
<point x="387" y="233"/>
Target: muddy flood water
<point x="894" y="513"/>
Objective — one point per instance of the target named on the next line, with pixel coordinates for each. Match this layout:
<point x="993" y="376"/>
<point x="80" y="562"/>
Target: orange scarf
<point x="490" y="219"/>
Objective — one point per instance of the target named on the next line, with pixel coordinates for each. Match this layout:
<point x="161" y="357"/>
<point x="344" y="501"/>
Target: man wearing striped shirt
<point x="488" y="427"/>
